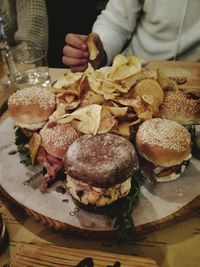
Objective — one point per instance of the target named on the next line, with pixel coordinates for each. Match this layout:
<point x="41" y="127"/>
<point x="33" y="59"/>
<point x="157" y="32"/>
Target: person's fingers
<point x="69" y="51"/>
<point x="71" y="61"/>
<point x="76" y="40"/>
<point x="79" y="68"/>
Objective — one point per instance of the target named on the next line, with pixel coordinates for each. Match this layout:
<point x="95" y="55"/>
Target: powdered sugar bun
<point x="31" y="105"/>
<point x="163" y="142"/>
<point x="102" y="160"/>
<point x="57" y="138"/>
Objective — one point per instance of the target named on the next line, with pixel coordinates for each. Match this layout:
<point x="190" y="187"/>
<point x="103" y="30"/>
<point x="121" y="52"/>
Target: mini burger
<point x="55" y="140"/>
<point x="181" y="107"/>
<point x="99" y="170"/>
<point x="165" y="149"/>
<point x="31" y="107"/>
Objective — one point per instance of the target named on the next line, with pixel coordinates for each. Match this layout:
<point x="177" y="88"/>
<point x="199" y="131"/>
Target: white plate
<point x="155" y="202"/>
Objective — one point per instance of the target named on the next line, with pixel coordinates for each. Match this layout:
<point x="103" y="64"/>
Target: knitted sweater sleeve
<point x="32" y="22"/>
<point x="116" y="25"/>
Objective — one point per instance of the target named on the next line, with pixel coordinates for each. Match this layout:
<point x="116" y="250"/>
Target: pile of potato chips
<point x="111" y="99"/>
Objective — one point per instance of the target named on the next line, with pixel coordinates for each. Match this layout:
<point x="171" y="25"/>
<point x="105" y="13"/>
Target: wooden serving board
<point x="180" y="69"/>
<point x="36" y="255"/>
<point x="173" y="69"/>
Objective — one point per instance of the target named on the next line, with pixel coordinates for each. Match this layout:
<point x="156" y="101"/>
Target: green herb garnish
<point x="21" y="141"/>
<point x="26" y="161"/>
<point x="121" y="212"/>
<point x="21" y="138"/>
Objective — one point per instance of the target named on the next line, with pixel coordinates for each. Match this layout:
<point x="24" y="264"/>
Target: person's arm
<point x="32" y="22"/>
<point x="116" y="25"/>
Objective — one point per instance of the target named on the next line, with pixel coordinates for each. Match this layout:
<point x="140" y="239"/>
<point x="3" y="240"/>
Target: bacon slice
<point x="51" y="164"/>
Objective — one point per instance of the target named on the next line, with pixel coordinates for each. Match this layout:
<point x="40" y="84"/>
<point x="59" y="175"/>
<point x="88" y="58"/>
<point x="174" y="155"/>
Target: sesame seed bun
<point x="181" y="107"/>
<point x="102" y="160"/>
<point x="57" y="138"/>
<point x="163" y="142"/>
<point x="31" y="107"/>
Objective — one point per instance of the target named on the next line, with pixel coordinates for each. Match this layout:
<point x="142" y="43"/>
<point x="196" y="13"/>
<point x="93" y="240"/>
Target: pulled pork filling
<point x="88" y="194"/>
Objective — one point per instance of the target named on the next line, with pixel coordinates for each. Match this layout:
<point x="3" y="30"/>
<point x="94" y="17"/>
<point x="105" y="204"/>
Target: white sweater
<point x="157" y="29"/>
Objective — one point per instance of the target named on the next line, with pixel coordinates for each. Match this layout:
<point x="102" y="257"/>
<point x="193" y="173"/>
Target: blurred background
<point x="75" y="16"/>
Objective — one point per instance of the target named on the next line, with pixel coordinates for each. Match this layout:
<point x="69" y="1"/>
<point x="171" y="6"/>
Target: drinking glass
<point x="4" y="81"/>
<point x="28" y="66"/>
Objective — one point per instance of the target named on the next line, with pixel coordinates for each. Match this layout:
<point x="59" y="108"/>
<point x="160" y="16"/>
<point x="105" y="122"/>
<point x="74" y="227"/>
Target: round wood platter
<point x="2" y="231"/>
<point x="158" y="206"/>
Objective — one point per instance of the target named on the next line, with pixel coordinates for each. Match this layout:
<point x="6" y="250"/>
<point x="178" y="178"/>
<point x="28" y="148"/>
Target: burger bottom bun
<point x="161" y="156"/>
<point x="30" y="126"/>
<point x="172" y="176"/>
<point x="101" y="209"/>
<point x="30" y="115"/>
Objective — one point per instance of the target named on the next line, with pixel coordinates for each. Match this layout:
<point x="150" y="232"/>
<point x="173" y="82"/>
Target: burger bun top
<point x="57" y="138"/>
<point x="163" y="142"/>
<point x="181" y="107"/>
<point x="31" y="106"/>
<point x="102" y="160"/>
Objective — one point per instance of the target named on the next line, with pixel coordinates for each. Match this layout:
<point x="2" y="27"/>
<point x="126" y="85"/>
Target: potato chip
<point x="103" y="73"/>
<point x="130" y="102"/>
<point x="125" y="128"/>
<point x="71" y="95"/>
<point x="122" y="129"/>
<point x="165" y="82"/>
<point x="110" y="99"/>
<point x="91" y="97"/>
<point x="34" y="144"/>
<point x="107" y="88"/>
<point x="60" y="110"/>
<point x="118" y="111"/>
<point x="137" y="77"/>
<point x="151" y="95"/>
<point x="135" y="62"/>
<point x="92" y="48"/>
<point x="149" y="99"/>
<point x="118" y="61"/>
<point x="107" y="121"/>
<point x="124" y="67"/>
<point x="85" y="120"/>
<point x="146" y="115"/>
<point x="68" y="79"/>
<point x="93" y="81"/>
<point x="149" y="87"/>
<point x="110" y="90"/>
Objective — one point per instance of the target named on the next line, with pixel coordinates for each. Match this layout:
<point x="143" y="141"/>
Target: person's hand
<point x="76" y="55"/>
<point x="75" y="52"/>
